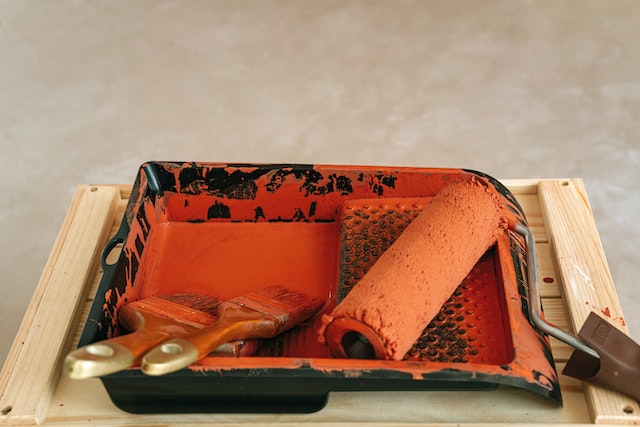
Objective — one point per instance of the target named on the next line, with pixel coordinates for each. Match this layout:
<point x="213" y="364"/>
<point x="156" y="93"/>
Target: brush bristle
<point x="204" y="303"/>
<point x="289" y="306"/>
<point x="193" y="310"/>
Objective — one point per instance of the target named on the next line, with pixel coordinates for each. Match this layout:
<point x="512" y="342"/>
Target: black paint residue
<point x="520" y="264"/>
<point x="145" y="226"/>
<point x="311" y="181"/>
<point x="164" y="176"/>
<point x="343" y="184"/>
<point x="237" y="184"/>
<point x="134" y="264"/>
<point x="123" y="272"/>
<point x="139" y="246"/>
<point x="550" y="383"/>
<point x="222" y="182"/>
<point x="191" y="180"/>
<point x="299" y="215"/>
<point x="219" y="210"/>
<point x="378" y="183"/>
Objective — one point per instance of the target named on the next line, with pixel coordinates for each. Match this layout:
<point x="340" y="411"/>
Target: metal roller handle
<point x="535" y="306"/>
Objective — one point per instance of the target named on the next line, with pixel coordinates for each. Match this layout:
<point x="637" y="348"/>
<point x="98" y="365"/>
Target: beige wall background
<point x="516" y="89"/>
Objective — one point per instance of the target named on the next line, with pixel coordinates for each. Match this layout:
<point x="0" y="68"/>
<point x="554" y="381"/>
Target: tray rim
<point x="148" y="187"/>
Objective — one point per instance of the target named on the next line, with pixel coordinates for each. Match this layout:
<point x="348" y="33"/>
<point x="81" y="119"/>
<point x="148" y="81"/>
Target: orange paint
<point x="605" y="311"/>
<point x="228" y="259"/>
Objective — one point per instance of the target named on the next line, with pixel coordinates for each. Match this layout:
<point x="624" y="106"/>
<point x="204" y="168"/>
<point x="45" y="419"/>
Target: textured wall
<point x="516" y="89"/>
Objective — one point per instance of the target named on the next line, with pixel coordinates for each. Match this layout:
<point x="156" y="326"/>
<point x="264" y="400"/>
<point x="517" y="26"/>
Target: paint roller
<point x="387" y="310"/>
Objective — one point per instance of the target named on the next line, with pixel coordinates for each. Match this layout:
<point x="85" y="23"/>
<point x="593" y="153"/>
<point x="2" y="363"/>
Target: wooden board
<point x="32" y="368"/>
<point x="32" y="392"/>
<point x="585" y="275"/>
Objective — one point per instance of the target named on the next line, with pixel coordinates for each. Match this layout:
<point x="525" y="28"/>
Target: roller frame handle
<point x="604" y="356"/>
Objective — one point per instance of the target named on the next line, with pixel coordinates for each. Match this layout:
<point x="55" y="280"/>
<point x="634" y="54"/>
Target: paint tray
<point x="228" y="229"/>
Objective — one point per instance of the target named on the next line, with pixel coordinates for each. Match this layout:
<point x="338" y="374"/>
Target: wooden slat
<point x="530" y="206"/>
<point x="125" y="190"/>
<point x="586" y="279"/>
<point x="521" y="186"/>
<point x="549" y="285"/>
<point x="32" y="369"/>
<point x="579" y="254"/>
<point x="554" y="312"/>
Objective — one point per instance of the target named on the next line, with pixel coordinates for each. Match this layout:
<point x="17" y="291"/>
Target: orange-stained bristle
<point x="277" y="301"/>
<point x="192" y="310"/>
<point x="204" y="303"/>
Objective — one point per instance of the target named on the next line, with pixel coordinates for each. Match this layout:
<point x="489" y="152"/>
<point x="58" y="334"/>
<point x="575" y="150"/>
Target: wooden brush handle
<point x="235" y="323"/>
<point x="97" y="359"/>
<point x="112" y="355"/>
<point x="121" y="352"/>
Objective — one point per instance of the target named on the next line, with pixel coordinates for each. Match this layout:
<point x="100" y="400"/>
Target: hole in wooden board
<point x="628" y="410"/>
<point x="6" y="410"/>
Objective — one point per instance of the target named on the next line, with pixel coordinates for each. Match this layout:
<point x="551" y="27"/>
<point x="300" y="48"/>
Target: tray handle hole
<point x="6" y="410"/>
<point x="112" y="252"/>
<point x="628" y="409"/>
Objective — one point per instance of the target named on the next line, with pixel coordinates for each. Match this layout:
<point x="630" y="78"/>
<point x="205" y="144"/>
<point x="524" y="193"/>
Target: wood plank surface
<point x="31" y="371"/>
<point x="587" y="282"/>
<point x="74" y="403"/>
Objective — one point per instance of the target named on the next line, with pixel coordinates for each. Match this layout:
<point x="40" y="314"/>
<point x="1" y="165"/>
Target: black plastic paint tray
<point x="228" y="229"/>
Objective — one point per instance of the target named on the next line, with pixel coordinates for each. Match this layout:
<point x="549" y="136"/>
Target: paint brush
<point x="264" y="313"/>
<point x="152" y="320"/>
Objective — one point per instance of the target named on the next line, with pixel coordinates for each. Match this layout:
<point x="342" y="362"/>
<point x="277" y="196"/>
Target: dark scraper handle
<point x="619" y="365"/>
